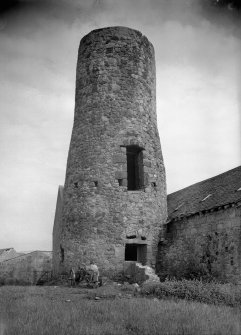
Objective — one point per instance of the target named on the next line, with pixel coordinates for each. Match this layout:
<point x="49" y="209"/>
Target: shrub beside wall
<point x="203" y="246"/>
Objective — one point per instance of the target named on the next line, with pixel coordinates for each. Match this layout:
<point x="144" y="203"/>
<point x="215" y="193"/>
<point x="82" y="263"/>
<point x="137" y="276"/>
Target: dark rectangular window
<point x="135" y="173"/>
<point x="131" y="252"/>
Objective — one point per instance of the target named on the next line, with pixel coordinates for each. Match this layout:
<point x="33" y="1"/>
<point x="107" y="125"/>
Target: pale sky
<point x="198" y="55"/>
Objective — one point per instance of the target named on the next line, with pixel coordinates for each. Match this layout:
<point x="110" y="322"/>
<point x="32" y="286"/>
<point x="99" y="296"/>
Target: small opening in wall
<point x="153" y="184"/>
<point x="131" y="236"/>
<point x="61" y="254"/>
<point x="136" y="253"/>
<point x="76" y="185"/>
<point x="231" y="262"/>
<point x="226" y="248"/>
<point x="120" y="181"/>
<point x="96" y="183"/>
<point x="131" y="252"/>
<point x="109" y="50"/>
<point x="143" y="238"/>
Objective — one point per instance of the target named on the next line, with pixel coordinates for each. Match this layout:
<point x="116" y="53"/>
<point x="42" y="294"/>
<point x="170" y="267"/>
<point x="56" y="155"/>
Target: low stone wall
<point x="26" y="269"/>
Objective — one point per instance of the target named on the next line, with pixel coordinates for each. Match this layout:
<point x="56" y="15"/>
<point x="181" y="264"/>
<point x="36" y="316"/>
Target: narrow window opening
<point x="96" y="183"/>
<point x="143" y="238"/>
<point x="61" y="254"/>
<point x="76" y="185"/>
<point x="135" y="171"/>
<point x="120" y="181"/>
<point x="153" y="184"/>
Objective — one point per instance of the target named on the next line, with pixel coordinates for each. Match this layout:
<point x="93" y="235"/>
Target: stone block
<point x="124" y="182"/>
<point x="146" y="163"/>
<point x="146" y="178"/>
<point x="119" y="159"/>
<point x="121" y="175"/>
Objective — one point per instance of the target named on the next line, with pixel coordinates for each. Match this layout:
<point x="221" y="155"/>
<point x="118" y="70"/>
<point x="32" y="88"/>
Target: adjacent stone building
<point x="204" y="229"/>
<point x="113" y="203"/>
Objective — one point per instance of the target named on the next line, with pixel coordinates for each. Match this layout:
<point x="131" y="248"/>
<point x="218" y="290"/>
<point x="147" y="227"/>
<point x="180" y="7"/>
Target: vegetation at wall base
<point x="195" y="290"/>
<point x="185" y="259"/>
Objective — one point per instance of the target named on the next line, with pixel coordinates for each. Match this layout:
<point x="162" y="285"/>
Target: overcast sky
<point x="198" y="54"/>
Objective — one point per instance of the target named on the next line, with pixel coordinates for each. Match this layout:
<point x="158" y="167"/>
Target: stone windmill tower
<point x="113" y="203"/>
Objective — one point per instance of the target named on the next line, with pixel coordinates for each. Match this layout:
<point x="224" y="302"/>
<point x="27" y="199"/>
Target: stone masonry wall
<point x="27" y="268"/>
<point x="115" y="108"/>
<point x="57" y="231"/>
<point x="214" y="238"/>
<point x="8" y="254"/>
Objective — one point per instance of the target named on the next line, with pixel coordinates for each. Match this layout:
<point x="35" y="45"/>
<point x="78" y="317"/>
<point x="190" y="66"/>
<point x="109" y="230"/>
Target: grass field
<point x="108" y="310"/>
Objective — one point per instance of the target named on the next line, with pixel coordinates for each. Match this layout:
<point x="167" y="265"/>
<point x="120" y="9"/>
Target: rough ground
<point x="113" y="309"/>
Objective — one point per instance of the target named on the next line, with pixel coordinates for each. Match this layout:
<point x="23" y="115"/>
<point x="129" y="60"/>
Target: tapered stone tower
<point x="113" y="204"/>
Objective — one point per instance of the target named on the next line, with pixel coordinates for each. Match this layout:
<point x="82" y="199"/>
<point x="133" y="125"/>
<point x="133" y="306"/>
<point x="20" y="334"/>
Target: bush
<point x="195" y="290"/>
<point x="183" y="260"/>
<point x="117" y="276"/>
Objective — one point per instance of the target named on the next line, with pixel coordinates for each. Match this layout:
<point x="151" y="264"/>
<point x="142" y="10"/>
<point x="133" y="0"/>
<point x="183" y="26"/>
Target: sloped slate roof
<point x="205" y="195"/>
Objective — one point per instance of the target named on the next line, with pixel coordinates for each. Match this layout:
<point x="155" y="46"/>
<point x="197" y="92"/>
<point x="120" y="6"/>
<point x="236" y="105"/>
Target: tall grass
<point x="49" y="310"/>
<point x="195" y="290"/>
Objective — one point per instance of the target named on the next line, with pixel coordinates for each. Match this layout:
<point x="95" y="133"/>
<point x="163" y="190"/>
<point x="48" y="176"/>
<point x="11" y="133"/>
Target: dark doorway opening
<point x="135" y="171"/>
<point x="136" y="253"/>
<point x="131" y="252"/>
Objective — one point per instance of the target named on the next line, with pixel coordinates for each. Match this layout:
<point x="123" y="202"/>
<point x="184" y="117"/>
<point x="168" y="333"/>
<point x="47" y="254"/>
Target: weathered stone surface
<point x="8" y="253"/>
<point x="115" y="108"/>
<point x="119" y="159"/>
<point x="26" y="268"/>
<point x="214" y="238"/>
<point x="121" y="174"/>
